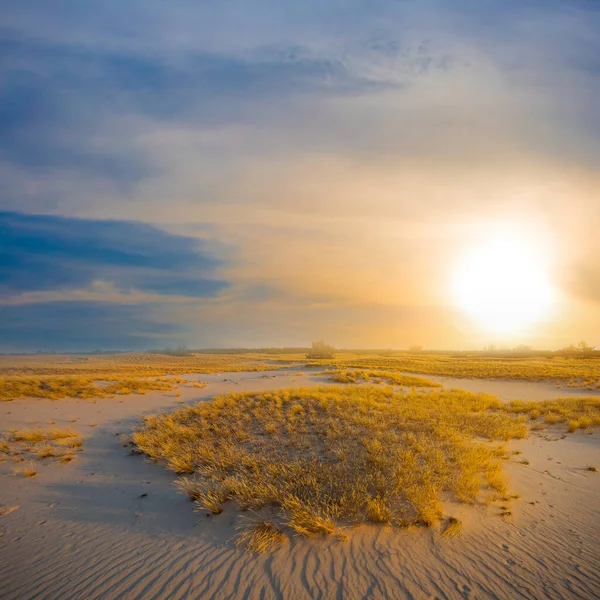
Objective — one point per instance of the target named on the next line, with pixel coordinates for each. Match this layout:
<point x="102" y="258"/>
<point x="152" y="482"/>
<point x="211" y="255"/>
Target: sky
<point x="252" y="174"/>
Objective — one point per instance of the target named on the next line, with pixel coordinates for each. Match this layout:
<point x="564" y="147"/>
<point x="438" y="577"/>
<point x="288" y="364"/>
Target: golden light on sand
<point x="503" y="284"/>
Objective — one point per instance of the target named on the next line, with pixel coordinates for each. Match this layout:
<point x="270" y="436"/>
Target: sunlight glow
<point x="503" y="284"/>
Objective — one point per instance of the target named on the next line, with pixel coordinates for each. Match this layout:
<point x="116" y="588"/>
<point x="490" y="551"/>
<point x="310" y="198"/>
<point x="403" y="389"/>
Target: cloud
<point x="55" y="253"/>
<point x="81" y="326"/>
<point x="344" y="154"/>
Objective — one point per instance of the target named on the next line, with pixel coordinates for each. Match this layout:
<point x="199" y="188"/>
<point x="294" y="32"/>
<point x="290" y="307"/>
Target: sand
<point x="111" y="525"/>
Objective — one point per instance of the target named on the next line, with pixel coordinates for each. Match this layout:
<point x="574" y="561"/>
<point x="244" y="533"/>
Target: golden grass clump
<point x="42" y="444"/>
<point x="210" y="497"/>
<point x="357" y="376"/>
<point x="29" y="469"/>
<point x="323" y="458"/>
<point x="260" y="536"/>
<point x="576" y="412"/>
<point x="453" y="528"/>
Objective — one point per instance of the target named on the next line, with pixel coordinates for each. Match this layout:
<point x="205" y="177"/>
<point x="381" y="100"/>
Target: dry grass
<point x="453" y="528"/>
<point x="29" y="469"/>
<point x="576" y="372"/>
<point x="65" y="376"/>
<point x="346" y="376"/>
<point x="55" y="388"/>
<point x="113" y="367"/>
<point x="260" y="536"/>
<point x="42" y="444"/>
<point x="577" y="413"/>
<point x="328" y="457"/>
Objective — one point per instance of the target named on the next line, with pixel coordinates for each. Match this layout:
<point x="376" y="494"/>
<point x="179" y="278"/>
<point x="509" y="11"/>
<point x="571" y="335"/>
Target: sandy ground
<point x="110" y="525"/>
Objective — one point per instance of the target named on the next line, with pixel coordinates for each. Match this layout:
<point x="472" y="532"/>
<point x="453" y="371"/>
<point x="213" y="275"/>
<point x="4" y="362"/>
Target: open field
<point x="92" y="376"/>
<point x="100" y="526"/>
<point x="127" y="364"/>
<point x="95" y="376"/>
<point x="575" y="372"/>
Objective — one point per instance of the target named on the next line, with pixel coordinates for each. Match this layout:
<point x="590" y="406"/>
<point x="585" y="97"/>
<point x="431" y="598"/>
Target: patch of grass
<point x="260" y="536"/>
<point x="210" y="497"/>
<point x="42" y="444"/>
<point x="321" y="457"/>
<point x="134" y="365"/>
<point x="307" y="517"/>
<point x="188" y="487"/>
<point x="377" y="511"/>
<point x="576" y="372"/>
<point x="29" y="469"/>
<point x="74" y="441"/>
<point x="55" y="388"/>
<point x="577" y="412"/>
<point x="453" y="528"/>
<point x="345" y="376"/>
<point x="28" y="435"/>
<point x="45" y="451"/>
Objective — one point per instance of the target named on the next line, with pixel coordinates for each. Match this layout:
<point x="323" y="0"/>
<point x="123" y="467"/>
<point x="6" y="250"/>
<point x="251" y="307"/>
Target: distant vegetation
<point x="333" y="456"/>
<point x="583" y="348"/>
<point x="179" y="351"/>
<point x="320" y="350"/>
<point x="580" y="372"/>
<point x="56" y="376"/>
<point x="61" y="376"/>
<point x="415" y="349"/>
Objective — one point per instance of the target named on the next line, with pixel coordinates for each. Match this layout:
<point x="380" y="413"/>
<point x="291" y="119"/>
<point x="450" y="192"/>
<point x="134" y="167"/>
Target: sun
<point x="503" y="284"/>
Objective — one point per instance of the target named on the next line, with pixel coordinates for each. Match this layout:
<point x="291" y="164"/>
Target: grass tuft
<point x="29" y="469"/>
<point x="453" y="528"/>
<point x="260" y="536"/>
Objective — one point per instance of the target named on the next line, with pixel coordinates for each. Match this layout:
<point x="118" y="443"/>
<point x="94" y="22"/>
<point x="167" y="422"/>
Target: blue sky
<point x="266" y="173"/>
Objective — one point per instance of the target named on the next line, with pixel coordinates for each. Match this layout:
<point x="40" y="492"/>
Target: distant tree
<point x="491" y="348"/>
<point x="320" y="350"/>
<point x="583" y="346"/>
<point x="415" y="348"/>
<point x="570" y="349"/>
<point x="522" y="348"/>
<point x="179" y="351"/>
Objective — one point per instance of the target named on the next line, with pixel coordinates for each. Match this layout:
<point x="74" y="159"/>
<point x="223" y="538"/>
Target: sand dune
<point x="111" y="525"/>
